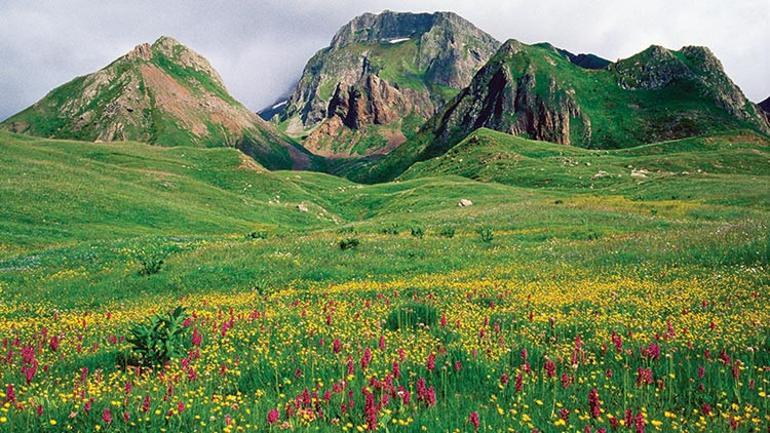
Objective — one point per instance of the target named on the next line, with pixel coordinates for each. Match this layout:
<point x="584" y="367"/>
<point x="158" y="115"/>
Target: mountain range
<point x="393" y="89"/>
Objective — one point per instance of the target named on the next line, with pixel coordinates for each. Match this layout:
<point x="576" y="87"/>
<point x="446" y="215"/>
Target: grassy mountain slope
<point x="726" y="167"/>
<point x="91" y="209"/>
<point x="534" y="91"/>
<point x="164" y="94"/>
<point x="57" y="192"/>
<point x="61" y="191"/>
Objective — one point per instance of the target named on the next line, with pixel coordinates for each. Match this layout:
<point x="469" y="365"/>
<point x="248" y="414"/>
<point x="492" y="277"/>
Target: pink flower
<point x="643" y="376"/>
<point x="197" y="337"/>
<point x="54" y="344"/>
<point x="272" y="416"/>
<point x="550" y="368"/>
<point x="10" y="394"/>
<point x="366" y="358"/>
<point x="370" y="411"/>
<point x="594" y="404"/>
<point x="107" y="416"/>
<point x="474" y="420"/>
<point x="396" y="369"/>
<point x="431" y="362"/>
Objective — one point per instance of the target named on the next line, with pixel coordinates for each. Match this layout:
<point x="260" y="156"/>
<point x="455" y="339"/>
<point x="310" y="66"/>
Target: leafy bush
<point x="447" y="232"/>
<point x="486" y="234"/>
<point x="257" y="235"/>
<point x="347" y="244"/>
<point x="151" y="263"/>
<point x="390" y="230"/>
<point x="160" y="340"/>
<point x="418" y="232"/>
<point x="412" y="315"/>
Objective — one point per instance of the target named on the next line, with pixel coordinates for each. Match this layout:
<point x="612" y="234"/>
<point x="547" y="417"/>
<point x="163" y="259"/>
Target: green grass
<point x="72" y="205"/>
<point x="83" y="226"/>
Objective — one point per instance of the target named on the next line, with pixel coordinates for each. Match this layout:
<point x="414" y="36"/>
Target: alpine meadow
<point x="433" y="231"/>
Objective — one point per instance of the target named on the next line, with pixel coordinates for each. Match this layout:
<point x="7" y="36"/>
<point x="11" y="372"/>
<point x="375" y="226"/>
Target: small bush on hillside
<point x="418" y="232"/>
<point x="164" y="337"/>
<point x="447" y="232"/>
<point x="390" y="230"/>
<point x="256" y="235"/>
<point x="411" y="316"/>
<point x="486" y="234"/>
<point x="349" y="244"/>
<point x="151" y="263"/>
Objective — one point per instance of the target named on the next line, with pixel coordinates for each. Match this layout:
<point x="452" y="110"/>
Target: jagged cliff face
<point x="659" y="94"/>
<point x="539" y="92"/>
<point x="517" y="100"/>
<point x="164" y="94"/>
<point x="764" y="107"/>
<point x="380" y="78"/>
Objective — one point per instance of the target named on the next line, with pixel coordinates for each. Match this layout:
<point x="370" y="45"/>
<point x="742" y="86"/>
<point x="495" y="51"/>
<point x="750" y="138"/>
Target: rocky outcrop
<point x="380" y="69"/>
<point x="764" y="107"/>
<point x="657" y="67"/>
<point x="538" y="92"/>
<point x="518" y="101"/>
<point x="164" y="94"/>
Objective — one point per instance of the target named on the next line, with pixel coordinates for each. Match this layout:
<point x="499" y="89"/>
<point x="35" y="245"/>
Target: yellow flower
<point x="3" y="420"/>
<point x="52" y="422"/>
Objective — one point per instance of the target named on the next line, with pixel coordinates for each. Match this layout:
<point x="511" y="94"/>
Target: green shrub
<point x="390" y="230"/>
<point x="411" y="316"/>
<point x="418" y="232"/>
<point x="151" y="263"/>
<point x="256" y="235"/>
<point x="160" y="340"/>
<point x="447" y="232"/>
<point x="486" y="234"/>
<point x="348" y="244"/>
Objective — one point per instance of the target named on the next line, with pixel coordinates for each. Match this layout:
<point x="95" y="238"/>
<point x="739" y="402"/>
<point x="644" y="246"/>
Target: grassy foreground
<point x="556" y="303"/>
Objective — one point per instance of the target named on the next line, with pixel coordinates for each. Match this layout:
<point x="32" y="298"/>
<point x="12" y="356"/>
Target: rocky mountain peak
<point x="140" y="52"/>
<point x="381" y="76"/>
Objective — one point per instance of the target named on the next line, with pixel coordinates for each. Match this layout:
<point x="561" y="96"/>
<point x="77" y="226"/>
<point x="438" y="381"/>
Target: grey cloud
<point x="260" y="47"/>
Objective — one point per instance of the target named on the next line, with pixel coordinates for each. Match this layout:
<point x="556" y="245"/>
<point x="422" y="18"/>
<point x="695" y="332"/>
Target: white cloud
<point x="261" y="47"/>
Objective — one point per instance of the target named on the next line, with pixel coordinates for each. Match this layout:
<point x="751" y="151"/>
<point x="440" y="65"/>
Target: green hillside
<point x="720" y="168"/>
<point x="97" y="238"/>
<point x="534" y="91"/>
<point x="65" y="198"/>
<point x="164" y="94"/>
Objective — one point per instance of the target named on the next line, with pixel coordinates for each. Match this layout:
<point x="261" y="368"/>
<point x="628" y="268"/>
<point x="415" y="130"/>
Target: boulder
<point x="464" y="202"/>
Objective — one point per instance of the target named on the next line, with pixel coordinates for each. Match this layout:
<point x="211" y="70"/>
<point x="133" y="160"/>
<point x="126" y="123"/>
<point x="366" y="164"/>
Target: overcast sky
<point x="260" y="47"/>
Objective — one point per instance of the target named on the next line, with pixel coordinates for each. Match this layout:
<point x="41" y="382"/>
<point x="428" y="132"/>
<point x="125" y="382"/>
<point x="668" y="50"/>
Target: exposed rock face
<point x="377" y="71"/>
<point x="538" y="92"/>
<point x="521" y="91"/>
<point x="520" y="102"/>
<point x="657" y="67"/>
<point x="164" y="94"/>
<point x="764" y="106"/>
